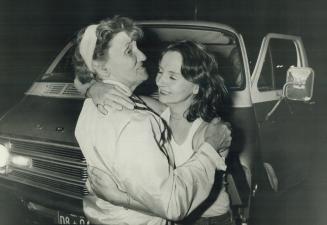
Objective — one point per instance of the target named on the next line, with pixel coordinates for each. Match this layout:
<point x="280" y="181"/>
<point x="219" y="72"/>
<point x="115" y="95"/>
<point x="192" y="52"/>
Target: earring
<point x="195" y="90"/>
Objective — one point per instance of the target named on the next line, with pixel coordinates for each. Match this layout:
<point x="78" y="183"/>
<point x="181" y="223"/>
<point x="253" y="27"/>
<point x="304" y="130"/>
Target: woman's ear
<point x="102" y="71"/>
<point x="196" y="89"/>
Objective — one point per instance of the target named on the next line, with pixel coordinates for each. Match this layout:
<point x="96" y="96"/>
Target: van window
<point x="281" y="54"/>
<point x="221" y="44"/>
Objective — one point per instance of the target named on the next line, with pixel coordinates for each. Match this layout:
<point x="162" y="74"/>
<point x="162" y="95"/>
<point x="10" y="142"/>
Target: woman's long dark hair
<point x="200" y="67"/>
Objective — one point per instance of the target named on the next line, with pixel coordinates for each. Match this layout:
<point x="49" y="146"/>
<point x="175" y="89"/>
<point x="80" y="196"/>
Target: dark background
<point x="33" y="32"/>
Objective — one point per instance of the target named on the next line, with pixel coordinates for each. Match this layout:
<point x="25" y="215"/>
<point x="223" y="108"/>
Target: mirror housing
<point x="299" y="84"/>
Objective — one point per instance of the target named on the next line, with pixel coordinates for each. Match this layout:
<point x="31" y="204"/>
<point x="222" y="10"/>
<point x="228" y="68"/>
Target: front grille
<point x="55" y="88"/>
<point x="70" y="90"/>
<point x="49" y="183"/>
<point x="45" y="149"/>
<point x="75" y="173"/>
<point x="57" y="168"/>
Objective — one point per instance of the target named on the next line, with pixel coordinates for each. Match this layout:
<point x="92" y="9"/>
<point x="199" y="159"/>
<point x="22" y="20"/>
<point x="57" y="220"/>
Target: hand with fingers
<point x="104" y="186"/>
<point x="109" y="97"/>
<point x="218" y="135"/>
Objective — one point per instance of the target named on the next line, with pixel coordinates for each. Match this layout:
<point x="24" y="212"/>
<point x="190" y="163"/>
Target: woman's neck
<point x="178" y="111"/>
<point x="177" y="115"/>
<point x="178" y="123"/>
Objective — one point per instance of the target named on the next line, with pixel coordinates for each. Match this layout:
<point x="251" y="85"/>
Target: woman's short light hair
<point x="106" y="30"/>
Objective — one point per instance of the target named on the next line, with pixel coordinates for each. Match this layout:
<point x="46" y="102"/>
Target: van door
<point x="285" y="135"/>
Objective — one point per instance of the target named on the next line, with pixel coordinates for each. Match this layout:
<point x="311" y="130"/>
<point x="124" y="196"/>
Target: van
<point x="269" y="109"/>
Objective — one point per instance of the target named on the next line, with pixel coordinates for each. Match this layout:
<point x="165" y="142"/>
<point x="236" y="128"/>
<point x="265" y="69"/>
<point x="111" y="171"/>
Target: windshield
<point x="223" y="45"/>
<point x="63" y="71"/>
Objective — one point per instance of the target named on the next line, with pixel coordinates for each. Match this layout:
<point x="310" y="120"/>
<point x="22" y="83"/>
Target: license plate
<point x="71" y="219"/>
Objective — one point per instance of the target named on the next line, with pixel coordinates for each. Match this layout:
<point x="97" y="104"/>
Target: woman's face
<point x="125" y="61"/>
<point x="173" y="87"/>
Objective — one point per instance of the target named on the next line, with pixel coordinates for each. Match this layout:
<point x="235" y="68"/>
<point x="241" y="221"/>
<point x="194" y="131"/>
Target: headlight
<point x="7" y="158"/>
<point x="4" y="157"/>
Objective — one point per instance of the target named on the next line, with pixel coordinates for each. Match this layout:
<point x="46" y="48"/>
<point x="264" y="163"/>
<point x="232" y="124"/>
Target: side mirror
<point x="299" y="84"/>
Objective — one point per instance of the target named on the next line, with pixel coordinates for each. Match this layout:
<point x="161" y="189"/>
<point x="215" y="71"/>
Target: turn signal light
<point x="4" y="157"/>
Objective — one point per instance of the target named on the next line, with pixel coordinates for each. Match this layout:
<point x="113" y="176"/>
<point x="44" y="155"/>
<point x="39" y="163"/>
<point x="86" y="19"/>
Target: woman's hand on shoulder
<point x="107" y="97"/>
<point x="218" y="135"/>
